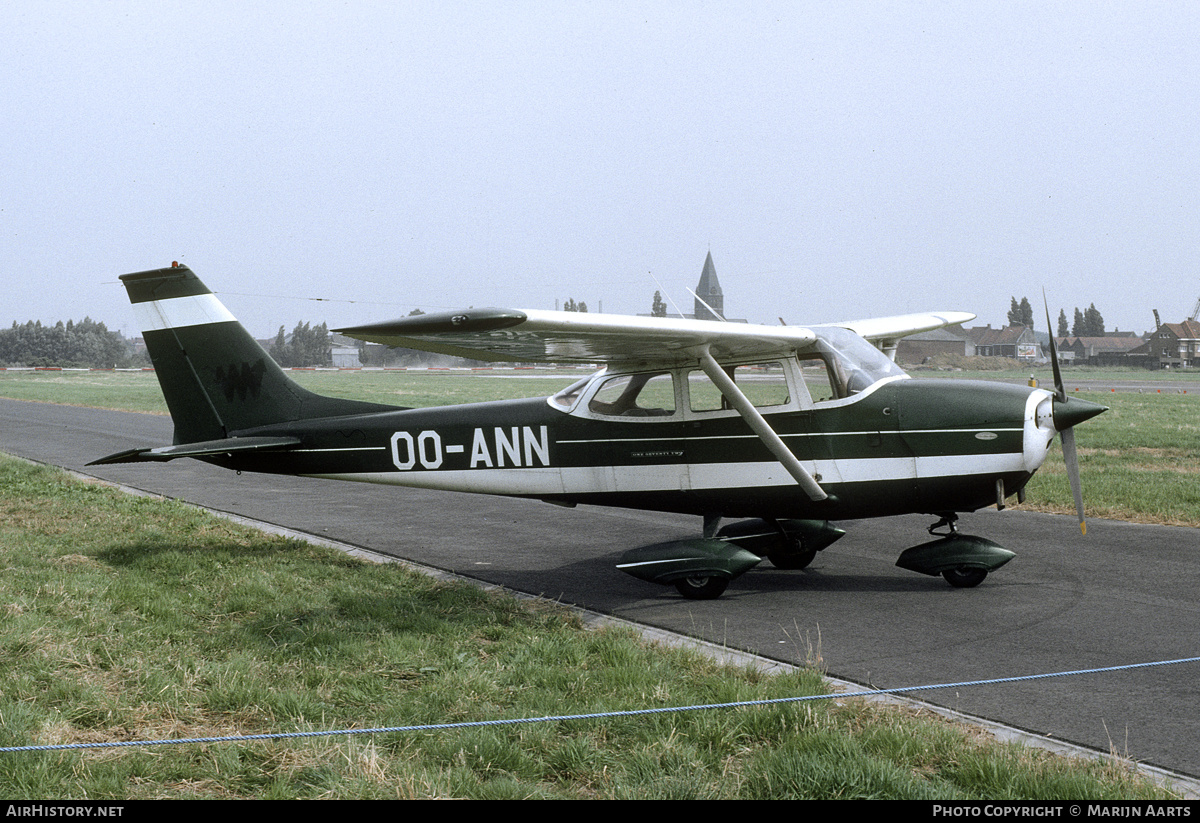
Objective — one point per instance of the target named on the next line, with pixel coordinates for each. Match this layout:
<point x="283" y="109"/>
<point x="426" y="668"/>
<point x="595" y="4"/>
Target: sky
<point x="347" y="162"/>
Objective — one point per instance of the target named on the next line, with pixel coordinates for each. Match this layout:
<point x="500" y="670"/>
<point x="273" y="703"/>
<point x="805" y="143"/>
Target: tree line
<point x="89" y="344"/>
<point x="307" y="345"/>
<point x="1088" y="323"/>
<point x="86" y="344"/>
<point x="310" y="345"/>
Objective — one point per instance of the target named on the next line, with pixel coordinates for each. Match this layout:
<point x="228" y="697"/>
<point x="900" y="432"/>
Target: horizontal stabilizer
<point x="206" y="448"/>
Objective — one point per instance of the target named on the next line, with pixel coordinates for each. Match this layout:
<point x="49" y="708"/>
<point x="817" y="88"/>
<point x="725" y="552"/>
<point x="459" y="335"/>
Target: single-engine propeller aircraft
<point x="785" y="428"/>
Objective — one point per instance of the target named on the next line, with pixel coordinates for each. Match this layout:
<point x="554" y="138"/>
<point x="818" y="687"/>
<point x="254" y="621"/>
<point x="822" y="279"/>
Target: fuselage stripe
<point x="785" y="436"/>
<point x="673" y="477"/>
<point x="180" y="312"/>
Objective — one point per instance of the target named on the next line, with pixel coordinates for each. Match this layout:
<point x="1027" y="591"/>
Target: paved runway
<point x="1124" y="594"/>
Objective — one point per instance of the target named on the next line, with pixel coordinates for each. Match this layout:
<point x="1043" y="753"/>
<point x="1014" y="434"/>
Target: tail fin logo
<point x="240" y="381"/>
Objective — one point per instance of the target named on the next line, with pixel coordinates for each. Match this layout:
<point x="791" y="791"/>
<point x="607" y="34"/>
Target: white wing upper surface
<point x="535" y="336"/>
<point x="893" y="328"/>
<point x="572" y="337"/>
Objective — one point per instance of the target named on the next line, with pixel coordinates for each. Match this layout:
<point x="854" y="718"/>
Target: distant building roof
<point x="1093" y="346"/>
<point x="987" y="336"/>
<point x="1103" y="343"/>
<point x="937" y="334"/>
<point x="1187" y="330"/>
<point x="708" y="291"/>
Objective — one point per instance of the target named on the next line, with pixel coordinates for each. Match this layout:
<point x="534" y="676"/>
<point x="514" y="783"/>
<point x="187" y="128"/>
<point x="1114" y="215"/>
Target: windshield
<point x="566" y="398"/>
<point x="856" y="362"/>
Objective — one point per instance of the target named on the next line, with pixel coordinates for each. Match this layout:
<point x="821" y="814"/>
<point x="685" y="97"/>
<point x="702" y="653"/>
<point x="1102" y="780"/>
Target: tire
<point x="967" y="578"/>
<point x="701" y="587"/>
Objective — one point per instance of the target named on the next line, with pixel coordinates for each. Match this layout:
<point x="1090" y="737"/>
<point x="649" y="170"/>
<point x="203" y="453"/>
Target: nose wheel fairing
<point x="964" y="560"/>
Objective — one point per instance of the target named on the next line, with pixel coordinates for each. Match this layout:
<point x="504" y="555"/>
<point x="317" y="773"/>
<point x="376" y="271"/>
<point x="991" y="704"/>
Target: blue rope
<point x="594" y="716"/>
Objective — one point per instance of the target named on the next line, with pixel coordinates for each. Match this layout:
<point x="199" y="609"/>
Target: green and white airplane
<point x="784" y="428"/>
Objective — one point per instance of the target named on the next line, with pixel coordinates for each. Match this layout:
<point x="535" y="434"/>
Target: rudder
<point x="215" y="376"/>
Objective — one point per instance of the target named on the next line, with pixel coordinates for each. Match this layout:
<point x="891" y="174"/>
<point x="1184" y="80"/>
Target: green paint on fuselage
<point x="900" y="421"/>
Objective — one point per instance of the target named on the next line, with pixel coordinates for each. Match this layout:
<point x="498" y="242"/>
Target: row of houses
<point x="1170" y="346"/>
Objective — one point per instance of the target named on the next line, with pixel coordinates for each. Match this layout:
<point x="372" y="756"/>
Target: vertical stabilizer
<point x="215" y="377"/>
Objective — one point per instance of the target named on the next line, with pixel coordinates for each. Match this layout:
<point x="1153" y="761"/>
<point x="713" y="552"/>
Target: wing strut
<point x="760" y="426"/>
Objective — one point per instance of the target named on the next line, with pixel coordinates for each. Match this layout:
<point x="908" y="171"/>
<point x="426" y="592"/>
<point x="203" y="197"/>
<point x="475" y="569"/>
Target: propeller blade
<point x="1072" y="461"/>
<point x="1059" y="387"/>
<point x="1066" y="414"/>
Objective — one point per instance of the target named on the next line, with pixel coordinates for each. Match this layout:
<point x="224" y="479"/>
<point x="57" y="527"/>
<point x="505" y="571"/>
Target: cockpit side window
<point x="822" y="382"/>
<point x="635" y="395"/>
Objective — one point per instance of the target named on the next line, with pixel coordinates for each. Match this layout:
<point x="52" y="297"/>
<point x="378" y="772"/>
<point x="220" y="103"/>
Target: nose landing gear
<point x="963" y="560"/>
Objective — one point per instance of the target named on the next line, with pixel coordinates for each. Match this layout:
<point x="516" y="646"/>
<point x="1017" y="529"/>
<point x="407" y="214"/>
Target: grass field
<point x="138" y="390"/>
<point x="130" y="618"/>
<point x="1140" y="461"/>
<point x="997" y="368"/>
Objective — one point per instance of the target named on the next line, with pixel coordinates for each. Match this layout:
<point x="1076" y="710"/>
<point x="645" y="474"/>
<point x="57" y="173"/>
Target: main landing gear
<point x="962" y="560"/>
<point x="701" y="568"/>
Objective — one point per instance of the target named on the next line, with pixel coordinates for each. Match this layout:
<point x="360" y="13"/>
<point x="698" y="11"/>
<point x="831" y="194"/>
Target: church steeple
<point x="709" y="291"/>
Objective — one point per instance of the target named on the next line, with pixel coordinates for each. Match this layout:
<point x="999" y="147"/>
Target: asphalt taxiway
<point x="1124" y="594"/>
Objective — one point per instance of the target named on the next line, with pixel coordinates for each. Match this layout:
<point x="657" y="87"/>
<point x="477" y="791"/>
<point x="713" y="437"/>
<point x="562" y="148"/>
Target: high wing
<point x="885" y="332"/>
<point x="902" y="325"/>
<point x="535" y="336"/>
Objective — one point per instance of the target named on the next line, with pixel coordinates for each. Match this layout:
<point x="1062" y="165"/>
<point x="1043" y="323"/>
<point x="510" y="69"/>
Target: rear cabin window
<point x="764" y="384"/>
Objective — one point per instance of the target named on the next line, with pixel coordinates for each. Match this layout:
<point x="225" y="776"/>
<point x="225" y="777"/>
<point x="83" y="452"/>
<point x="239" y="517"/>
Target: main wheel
<point x="701" y="587"/>
<point x="792" y="560"/>
<point x="967" y="578"/>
